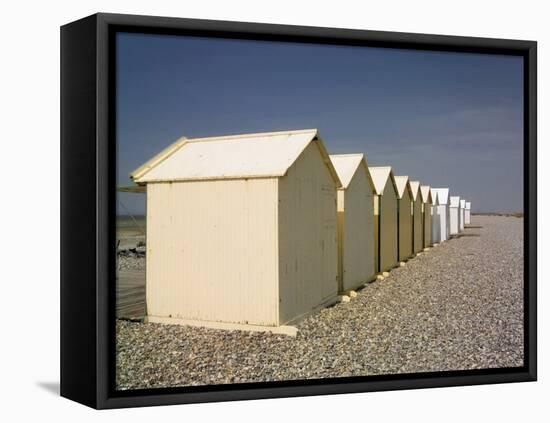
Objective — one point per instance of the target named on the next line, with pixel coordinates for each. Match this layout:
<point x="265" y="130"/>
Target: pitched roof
<point x="426" y="194"/>
<point x="380" y="175"/>
<point x="415" y="188"/>
<point x="268" y="154"/>
<point x="346" y="166"/>
<point x="455" y="201"/>
<point x="468" y="205"/>
<point x="442" y="195"/>
<point x="402" y="183"/>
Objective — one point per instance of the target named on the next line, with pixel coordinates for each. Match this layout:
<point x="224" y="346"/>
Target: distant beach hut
<point x="467" y="217"/>
<point x="462" y="214"/>
<point x="241" y="230"/>
<point x="426" y="215"/>
<point x="442" y="212"/>
<point x="355" y="221"/>
<point x="435" y="218"/>
<point x="418" y="243"/>
<point x="454" y="213"/>
<point x="405" y="217"/>
<point x="385" y="218"/>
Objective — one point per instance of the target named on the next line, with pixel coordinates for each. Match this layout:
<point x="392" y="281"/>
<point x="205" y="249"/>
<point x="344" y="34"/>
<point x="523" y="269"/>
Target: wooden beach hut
<point x="454" y="213"/>
<point x="385" y="218"/>
<point x="404" y="218"/>
<point x="241" y="230"/>
<point x="442" y="211"/>
<point x="426" y="215"/>
<point x="418" y="244"/>
<point x="355" y="222"/>
<point x="467" y="217"/>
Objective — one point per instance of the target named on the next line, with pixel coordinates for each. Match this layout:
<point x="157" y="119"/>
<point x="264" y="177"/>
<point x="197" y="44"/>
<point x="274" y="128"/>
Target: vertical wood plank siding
<point x="308" y="251"/>
<point x="405" y="226"/>
<point x="418" y="245"/>
<point x="357" y="232"/>
<point x="427" y="224"/>
<point x="388" y="230"/>
<point x="212" y="250"/>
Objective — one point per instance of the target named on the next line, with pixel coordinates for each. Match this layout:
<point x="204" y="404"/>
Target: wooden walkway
<point x="130" y="294"/>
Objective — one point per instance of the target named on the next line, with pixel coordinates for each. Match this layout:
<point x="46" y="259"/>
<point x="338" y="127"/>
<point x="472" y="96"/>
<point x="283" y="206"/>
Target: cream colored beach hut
<point x="436" y="236"/>
<point x="426" y="215"/>
<point x="404" y="218"/>
<point x="467" y="217"/>
<point x="241" y="230"/>
<point x="355" y="221"/>
<point x="418" y="244"/>
<point x="442" y="211"/>
<point x="454" y="213"/>
<point x="462" y="214"/>
<point x="385" y="218"/>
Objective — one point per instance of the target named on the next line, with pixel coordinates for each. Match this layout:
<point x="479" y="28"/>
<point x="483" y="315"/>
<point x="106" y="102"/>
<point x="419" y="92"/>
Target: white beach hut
<point x="418" y="244"/>
<point x="426" y="215"/>
<point x="442" y="211"/>
<point x="241" y="230"/>
<point x="355" y="221"/>
<point x="462" y="214"/>
<point x="454" y="215"/>
<point x="385" y="218"/>
<point x="404" y="218"/>
<point x="436" y="226"/>
<point x="467" y="217"/>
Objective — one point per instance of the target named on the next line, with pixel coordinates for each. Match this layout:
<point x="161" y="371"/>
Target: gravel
<point x="458" y="306"/>
<point x="127" y="260"/>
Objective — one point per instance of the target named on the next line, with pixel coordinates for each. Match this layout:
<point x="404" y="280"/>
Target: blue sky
<point x="446" y="119"/>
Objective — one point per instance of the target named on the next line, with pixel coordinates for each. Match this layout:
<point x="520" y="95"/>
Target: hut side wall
<point x="427" y="225"/>
<point x="388" y="221"/>
<point x="453" y="220"/>
<point x="405" y="227"/>
<point x="441" y="213"/>
<point x="357" y="232"/>
<point x="376" y="209"/>
<point x="203" y="244"/>
<point x="308" y="256"/>
<point x="417" y="233"/>
<point x="436" y="226"/>
<point x="467" y="218"/>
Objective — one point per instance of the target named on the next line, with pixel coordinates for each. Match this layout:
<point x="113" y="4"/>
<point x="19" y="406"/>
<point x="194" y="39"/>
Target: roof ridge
<point x="252" y="135"/>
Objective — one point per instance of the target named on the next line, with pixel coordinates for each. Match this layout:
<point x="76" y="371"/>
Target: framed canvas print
<point x="258" y="211"/>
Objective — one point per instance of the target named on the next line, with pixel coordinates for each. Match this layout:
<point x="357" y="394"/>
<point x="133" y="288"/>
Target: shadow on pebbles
<point x="458" y="306"/>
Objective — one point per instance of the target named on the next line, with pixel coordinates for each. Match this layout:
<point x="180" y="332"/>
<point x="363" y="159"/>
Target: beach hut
<point x="404" y="218"/>
<point x="441" y="210"/>
<point x="426" y="215"/>
<point x="418" y="244"/>
<point x="385" y="218"/>
<point x="435" y="218"/>
<point x="462" y="214"/>
<point x="241" y="230"/>
<point x="355" y="221"/>
<point x="467" y="217"/>
<point x="454" y="213"/>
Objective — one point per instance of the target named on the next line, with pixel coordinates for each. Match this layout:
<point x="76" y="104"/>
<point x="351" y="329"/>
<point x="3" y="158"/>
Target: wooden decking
<point x="130" y="294"/>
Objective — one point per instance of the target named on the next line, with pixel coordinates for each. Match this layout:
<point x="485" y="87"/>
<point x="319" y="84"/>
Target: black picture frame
<point x="88" y="212"/>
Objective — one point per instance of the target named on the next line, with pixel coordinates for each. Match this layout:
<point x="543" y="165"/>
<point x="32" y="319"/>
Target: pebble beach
<point x="457" y="306"/>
